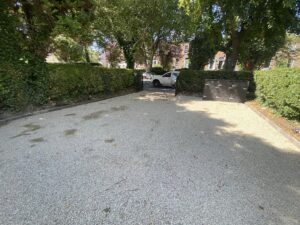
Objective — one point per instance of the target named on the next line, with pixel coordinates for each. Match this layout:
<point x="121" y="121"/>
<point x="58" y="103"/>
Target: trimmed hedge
<point x="83" y="81"/>
<point x="158" y="70"/>
<point x="65" y="83"/>
<point x="192" y="81"/>
<point x="280" y="89"/>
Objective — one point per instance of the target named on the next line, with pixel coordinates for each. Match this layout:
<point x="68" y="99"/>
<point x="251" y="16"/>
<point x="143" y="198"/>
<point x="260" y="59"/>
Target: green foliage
<point x="202" y="49"/>
<point x="249" y="29"/>
<point x="288" y="51"/>
<point x="11" y="80"/>
<point x="67" y="50"/>
<point x="140" y="26"/>
<point x="23" y="74"/>
<point x="280" y="90"/>
<point x="158" y="70"/>
<point x="192" y="81"/>
<point x="74" y="82"/>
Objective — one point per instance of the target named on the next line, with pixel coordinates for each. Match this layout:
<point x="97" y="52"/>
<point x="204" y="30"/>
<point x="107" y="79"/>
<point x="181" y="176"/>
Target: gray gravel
<point x="148" y="158"/>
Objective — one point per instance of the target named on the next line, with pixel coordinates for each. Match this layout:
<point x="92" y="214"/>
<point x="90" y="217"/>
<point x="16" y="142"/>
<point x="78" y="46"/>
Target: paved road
<point x="148" y="158"/>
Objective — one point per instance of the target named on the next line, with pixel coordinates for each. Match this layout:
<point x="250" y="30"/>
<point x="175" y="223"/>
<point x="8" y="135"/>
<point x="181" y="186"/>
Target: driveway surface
<point x="148" y="158"/>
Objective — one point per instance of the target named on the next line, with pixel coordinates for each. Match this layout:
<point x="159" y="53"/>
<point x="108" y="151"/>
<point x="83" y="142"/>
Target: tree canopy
<point x="251" y="31"/>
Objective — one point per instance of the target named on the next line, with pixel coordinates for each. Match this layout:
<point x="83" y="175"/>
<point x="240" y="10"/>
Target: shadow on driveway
<point x="160" y="160"/>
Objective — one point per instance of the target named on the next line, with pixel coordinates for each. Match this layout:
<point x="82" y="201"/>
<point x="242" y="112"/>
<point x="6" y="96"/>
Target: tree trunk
<point x="129" y="58"/>
<point x="86" y="54"/>
<point x="232" y="56"/>
<point x="128" y="51"/>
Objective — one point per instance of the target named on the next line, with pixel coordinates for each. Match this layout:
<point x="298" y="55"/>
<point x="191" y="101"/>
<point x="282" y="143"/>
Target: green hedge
<point x="280" y="90"/>
<point x="192" y="81"/>
<point x="63" y="83"/>
<point x="79" y="81"/>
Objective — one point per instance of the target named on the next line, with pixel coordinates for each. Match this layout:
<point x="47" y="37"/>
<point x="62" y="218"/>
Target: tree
<point x="242" y="22"/>
<point x="33" y="23"/>
<point x="113" y="54"/>
<point x="285" y="55"/>
<point x="66" y="49"/>
<point x="139" y="26"/>
<point x="167" y="52"/>
<point x="162" y="21"/>
<point x="202" y="49"/>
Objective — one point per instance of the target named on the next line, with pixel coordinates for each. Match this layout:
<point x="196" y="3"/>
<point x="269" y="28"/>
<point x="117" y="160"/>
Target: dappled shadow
<point x="153" y="159"/>
<point x="257" y="170"/>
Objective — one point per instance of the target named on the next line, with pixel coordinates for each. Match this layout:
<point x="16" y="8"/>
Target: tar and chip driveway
<point x="148" y="158"/>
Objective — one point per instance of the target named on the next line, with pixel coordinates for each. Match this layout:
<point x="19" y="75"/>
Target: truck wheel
<point x="156" y="83"/>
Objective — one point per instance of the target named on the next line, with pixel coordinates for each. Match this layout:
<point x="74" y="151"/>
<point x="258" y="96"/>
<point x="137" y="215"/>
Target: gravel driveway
<point x="148" y="158"/>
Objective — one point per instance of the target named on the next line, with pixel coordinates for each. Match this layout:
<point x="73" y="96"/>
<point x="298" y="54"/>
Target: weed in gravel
<point x="119" y="108"/>
<point x="94" y="115"/>
<point x="30" y="127"/>
<point x="107" y="210"/>
<point x="70" y="132"/>
<point x="71" y="114"/>
<point x="109" y="140"/>
<point x="37" y="140"/>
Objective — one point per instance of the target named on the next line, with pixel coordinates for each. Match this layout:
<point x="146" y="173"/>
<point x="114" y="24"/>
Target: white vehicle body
<point x="167" y="79"/>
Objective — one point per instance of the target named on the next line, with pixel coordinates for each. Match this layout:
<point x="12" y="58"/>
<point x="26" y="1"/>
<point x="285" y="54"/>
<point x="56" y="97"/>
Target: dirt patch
<point x="70" y="132"/>
<point x="30" y="127"/>
<point x="37" y="140"/>
<point x="94" y="115"/>
<point x="109" y="140"/>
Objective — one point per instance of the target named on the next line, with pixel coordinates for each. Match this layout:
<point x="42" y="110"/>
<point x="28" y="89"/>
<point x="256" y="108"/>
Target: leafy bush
<point x="83" y="81"/>
<point x="158" y="70"/>
<point x="280" y="90"/>
<point x="193" y="80"/>
<point x="23" y="75"/>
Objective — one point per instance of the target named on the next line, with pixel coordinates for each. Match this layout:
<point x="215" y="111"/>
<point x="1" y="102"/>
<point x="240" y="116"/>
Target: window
<point x="220" y="64"/>
<point x="293" y="47"/>
<point x="154" y="62"/>
<point x="211" y="64"/>
<point x="167" y="75"/>
<point x="186" y="49"/>
<point x="186" y="63"/>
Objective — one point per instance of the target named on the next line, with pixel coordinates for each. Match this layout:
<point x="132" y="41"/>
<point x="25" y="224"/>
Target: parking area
<point x="148" y="158"/>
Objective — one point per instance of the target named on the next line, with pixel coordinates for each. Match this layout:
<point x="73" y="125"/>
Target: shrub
<point x="83" y="81"/>
<point x="280" y="89"/>
<point x="158" y="70"/>
<point x="192" y="81"/>
<point x="23" y="75"/>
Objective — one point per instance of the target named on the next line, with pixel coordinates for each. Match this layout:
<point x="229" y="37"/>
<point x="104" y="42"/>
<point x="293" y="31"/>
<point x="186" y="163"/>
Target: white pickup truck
<point x="167" y="79"/>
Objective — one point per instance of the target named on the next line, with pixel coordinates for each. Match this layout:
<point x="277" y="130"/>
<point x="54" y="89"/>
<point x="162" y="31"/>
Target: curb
<point x="274" y="125"/>
<point x="55" y="108"/>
